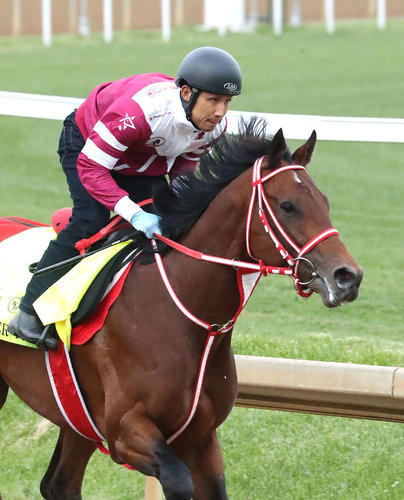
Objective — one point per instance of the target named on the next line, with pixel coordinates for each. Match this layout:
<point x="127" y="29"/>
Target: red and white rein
<point x="292" y="269"/>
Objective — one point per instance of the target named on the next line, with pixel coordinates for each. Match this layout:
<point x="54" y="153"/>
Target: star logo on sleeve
<point x="127" y="122"/>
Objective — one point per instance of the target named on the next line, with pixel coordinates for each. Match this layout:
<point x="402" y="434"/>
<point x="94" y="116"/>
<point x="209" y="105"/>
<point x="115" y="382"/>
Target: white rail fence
<point x="339" y="389"/>
<point x="332" y="128"/>
<point x="220" y="14"/>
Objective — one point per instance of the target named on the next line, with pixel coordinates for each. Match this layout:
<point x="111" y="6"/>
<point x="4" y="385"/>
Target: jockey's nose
<point x="220" y="109"/>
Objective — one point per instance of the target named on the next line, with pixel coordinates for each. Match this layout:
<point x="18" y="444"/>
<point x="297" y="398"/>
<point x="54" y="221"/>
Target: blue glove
<point x="147" y="223"/>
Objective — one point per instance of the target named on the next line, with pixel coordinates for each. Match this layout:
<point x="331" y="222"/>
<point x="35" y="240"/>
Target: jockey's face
<point x="209" y="108"/>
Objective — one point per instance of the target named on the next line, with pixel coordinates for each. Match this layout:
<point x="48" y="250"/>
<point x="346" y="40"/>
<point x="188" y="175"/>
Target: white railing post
<point x="237" y="9"/>
<point x="47" y="23"/>
<point x="226" y="14"/>
<point x="381" y="14"/>
<point x="16" y="18"/>
<point x="72" y="16"/>
<point x="296" y="14"/>
<point x="84" y="23"/>
<point x="329" y="16"/>
<point x="222" y="16"/>
<point x="127" y="14"/>
<point x="166" y="20"/>
<point x="107" y="17"/>
<point x="253" y="14"/>
<point x="179" y="13"/>
<point x="277" y="13"/>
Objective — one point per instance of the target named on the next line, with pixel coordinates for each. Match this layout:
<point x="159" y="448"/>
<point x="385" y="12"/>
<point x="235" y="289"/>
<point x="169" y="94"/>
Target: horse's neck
<point x="221" y="228"/>
<point x="210" y="290"/>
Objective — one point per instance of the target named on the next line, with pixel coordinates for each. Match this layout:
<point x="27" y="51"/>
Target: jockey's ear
<point x="302" y="155"/>
<point x="186" y="93"/>
<point x="276" y="149"/>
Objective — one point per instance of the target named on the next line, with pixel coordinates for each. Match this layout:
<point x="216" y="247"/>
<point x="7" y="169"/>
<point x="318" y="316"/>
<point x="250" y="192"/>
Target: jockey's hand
<point x="146" y="222"/>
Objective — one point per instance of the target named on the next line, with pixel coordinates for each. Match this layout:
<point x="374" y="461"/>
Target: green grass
<point x="268" y="455"/>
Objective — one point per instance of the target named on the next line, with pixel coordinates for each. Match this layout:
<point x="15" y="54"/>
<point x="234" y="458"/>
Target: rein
<point x="292" y="270"/>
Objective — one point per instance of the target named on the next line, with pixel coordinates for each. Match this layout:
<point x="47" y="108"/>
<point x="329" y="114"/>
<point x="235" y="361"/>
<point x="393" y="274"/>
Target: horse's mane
<point x="181" y="204"/>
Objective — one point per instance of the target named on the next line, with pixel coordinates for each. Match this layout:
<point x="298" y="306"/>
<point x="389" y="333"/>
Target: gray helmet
<point x="210" y="69"/>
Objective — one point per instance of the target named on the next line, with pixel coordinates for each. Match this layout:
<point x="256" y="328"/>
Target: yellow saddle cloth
<point x="16" y="254"/>
<point x="57" y="304"/>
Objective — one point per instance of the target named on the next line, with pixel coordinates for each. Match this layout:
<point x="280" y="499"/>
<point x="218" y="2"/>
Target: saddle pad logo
<point x="13" y="305"/>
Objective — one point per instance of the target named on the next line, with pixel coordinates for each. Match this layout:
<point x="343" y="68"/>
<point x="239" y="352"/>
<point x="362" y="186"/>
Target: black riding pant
<point x="88" y="217"/>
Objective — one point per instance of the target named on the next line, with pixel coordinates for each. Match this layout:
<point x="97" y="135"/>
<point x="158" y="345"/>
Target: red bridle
<point x="258" y="194"/>
<point x="293" y="262"/>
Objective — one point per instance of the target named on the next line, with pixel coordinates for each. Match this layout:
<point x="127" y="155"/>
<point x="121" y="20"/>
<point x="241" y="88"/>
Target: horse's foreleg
<point x="52" y="466"/>
<point x="142" y="446"/>
<point x="64" y="477"/>
<point x="207" y="469"/>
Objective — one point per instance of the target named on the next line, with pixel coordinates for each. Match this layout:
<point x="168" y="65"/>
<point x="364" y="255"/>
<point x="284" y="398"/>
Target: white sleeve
<point x="126" y="208"/>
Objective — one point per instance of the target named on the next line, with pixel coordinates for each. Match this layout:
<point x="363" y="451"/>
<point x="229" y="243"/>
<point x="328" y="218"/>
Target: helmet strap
<point x="188" y="105"/>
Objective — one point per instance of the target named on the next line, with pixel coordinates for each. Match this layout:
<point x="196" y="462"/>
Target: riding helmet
<point x="211" y="69"/>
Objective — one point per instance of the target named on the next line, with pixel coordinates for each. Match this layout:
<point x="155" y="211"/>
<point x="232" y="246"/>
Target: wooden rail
<point x="339" y="389"/>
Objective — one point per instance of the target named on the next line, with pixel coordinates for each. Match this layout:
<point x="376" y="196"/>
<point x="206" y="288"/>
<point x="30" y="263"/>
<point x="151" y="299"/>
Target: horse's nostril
<point x="345" y="277"/>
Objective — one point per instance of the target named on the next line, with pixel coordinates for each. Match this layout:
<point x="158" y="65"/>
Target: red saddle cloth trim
<point x="14" y="225"/>
<point x="85" y="331"/>
<point x="61" y="373"/>
<point x="68" y="395"/>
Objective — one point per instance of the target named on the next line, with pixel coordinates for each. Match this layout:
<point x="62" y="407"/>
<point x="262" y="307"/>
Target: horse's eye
<point x="288" y="207"/>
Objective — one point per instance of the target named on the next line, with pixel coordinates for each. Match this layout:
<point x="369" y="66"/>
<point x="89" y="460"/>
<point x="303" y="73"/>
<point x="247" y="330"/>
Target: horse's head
<point x="297" y="236"/>
<point x="295" y="216"/>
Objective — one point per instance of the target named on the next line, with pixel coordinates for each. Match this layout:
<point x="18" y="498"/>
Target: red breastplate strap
<point x="213" y="329"/>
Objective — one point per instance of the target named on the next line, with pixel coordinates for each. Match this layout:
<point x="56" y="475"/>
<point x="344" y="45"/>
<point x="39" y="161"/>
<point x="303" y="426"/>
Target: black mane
<point x="181" y="204"/>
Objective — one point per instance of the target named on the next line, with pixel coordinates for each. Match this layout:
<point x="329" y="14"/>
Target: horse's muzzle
<point x="339" y="288"/>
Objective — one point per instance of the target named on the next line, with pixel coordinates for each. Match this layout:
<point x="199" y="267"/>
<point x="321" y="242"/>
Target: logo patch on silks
<point x="155" y="141"/>
<point x="127" y="122"/>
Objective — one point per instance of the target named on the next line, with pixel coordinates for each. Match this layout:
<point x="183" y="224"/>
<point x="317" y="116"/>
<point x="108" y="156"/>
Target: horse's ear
<point x="277" y="149"/>
<point x="302" y="156"/>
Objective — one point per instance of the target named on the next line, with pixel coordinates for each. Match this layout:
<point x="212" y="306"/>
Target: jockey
<point x="123" y="140"/>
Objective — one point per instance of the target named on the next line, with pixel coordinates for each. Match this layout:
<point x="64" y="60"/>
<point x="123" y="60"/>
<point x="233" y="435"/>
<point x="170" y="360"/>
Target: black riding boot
<point x="28" y="327"/>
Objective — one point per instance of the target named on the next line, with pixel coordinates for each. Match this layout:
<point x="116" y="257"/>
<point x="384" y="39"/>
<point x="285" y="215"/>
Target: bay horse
<point x="138" y="374"/>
